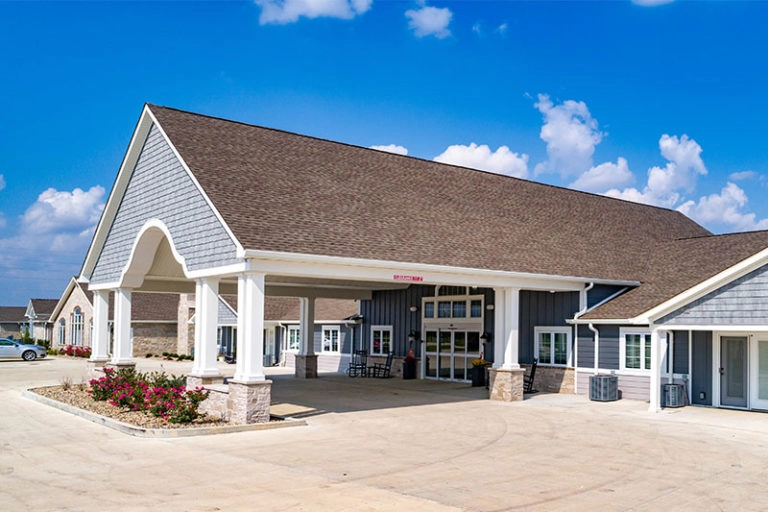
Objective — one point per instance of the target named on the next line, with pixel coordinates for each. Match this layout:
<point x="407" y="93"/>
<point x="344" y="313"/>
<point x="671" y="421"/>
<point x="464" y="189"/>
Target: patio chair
<point x="358" y="365"/>
<point x="528" y="379"/>
<point x="381" y="370"/>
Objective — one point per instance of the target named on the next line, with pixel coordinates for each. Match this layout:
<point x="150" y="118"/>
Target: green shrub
<point x="149" y="354"/>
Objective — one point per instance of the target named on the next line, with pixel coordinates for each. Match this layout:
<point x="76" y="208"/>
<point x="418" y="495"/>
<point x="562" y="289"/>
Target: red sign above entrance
<point x="398" y="277"/>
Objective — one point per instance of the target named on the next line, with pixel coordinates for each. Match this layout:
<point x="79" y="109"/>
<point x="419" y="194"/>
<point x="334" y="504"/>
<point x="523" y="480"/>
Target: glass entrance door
<point x="733" y="371"/>
<point x="449" y="353"/>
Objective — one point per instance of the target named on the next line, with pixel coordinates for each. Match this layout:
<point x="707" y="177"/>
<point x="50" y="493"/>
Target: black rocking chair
<point x="381" y="370"/>
<point x="528" y="379"/>
<point x="358" y="366"/>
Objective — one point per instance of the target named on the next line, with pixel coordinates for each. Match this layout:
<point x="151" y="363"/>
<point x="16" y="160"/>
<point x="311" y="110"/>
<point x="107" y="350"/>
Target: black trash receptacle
<point x="409" y="369"/>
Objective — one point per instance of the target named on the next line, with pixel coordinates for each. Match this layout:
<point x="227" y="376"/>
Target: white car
<point x="15" y="349"/>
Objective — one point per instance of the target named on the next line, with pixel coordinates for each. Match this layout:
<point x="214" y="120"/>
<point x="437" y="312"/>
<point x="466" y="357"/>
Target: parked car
<point x="14" y="348"/>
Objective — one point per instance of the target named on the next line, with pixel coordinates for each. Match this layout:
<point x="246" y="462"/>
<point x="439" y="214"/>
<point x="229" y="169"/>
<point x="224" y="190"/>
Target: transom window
<point x="635" y="350"/>
<point x="553" y="345"/>
<point x="331" y="338"/>
<point x="381" y="339"/>
<point x="463" y="306"/>
<point x="294" y="338"/>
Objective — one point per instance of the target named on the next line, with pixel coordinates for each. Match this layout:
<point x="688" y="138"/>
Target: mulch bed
<point x="77" y="395"/>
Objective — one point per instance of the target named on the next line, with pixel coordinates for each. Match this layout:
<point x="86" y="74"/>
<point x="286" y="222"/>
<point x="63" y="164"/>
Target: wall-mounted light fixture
<point x="413" y="337"/>
<point x="485" y="337"/>
<point x="489" y="307"/>
<point x="414" y="309"/>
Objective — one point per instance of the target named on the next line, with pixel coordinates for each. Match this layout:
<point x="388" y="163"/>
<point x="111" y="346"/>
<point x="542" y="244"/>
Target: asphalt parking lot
<point x="384" y="445"/>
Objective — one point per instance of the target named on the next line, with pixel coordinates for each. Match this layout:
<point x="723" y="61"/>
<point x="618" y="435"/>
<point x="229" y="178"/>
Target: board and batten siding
<point x="543" y="309"/>
<point x="609" y="347"/>
<point x="160" y="188"/>
<point x="681" y="352"/>
<point x="743" y="301"/>
<point x="701" y="374"/>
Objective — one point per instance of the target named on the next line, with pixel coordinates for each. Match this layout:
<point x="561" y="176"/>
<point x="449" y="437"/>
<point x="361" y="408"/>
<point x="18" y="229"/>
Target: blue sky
<point x="653" y="101"/>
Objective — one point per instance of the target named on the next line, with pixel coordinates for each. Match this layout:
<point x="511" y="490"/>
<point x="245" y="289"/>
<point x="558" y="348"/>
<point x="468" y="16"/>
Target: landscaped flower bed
<point x="156" y="394"/>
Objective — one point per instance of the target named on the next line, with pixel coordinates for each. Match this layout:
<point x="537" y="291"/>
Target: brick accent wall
<point x="153" y="338"/>
<point x="552" y="379"/>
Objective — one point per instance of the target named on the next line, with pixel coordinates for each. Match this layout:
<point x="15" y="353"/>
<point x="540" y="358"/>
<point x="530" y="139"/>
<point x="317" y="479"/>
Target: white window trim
<point x="288" y="329"/>
<point x="324" y="328"/>
<point x="391" y="339"/>
<point x="623" y="332"/>
<point x="568" y="331"/>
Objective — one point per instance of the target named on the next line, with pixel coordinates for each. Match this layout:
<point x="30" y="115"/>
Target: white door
<point x="759" y="372"/>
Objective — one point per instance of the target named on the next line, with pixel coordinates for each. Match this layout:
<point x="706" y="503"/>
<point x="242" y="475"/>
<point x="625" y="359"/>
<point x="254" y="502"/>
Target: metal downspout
<point x="597" y="345"/>
<point x="584" y="307"/>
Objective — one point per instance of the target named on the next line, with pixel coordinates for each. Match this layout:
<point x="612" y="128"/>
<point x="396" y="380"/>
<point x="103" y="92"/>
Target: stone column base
<point x="249" y="403"/>
<point x="506" y="385"/>
<point x="306" y="367"/>
<point x="194" y="381"/>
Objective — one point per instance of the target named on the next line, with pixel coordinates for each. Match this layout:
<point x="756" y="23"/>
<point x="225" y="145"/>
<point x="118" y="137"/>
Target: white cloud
<point x="289" y="11"/>
<point x="571" y="135"/>
<point x="501" y="161"/>
<point x="743" y="175"/>
<point x="724" y="209"/>
<point x="56" y="211"/>
<point x="429" y="21"/>
<point x="392" y="148"/>
<point x="502" y="29"/>
<point x="604" y="177"/>
<point x="651" y="3"/>
<point x="2" y="182"/>
<point x="665" y="184"/>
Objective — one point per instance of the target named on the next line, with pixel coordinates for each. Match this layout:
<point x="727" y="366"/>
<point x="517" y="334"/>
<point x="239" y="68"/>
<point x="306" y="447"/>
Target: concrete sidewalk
<point x="385" y="445"/>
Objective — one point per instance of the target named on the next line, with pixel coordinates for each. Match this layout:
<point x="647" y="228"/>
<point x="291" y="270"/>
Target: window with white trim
<point x="62" y="332"/>
<point x="77" y="327"/>
<point x="635" y="350"/>
<point x="331" y="338"/>
<point x="381" y="339"/>
<point x="294" y="338"/>
<point x="553" y="345"/>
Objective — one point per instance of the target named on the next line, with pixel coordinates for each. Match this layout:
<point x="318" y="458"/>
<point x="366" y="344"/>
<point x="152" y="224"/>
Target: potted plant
<point x="478" y="371"/>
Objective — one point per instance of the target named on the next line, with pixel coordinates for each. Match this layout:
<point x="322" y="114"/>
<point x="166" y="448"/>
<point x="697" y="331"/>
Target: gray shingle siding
<point x="226" y="315"/>
<point x="160" y="188"/>
<point x="741" y="302"/>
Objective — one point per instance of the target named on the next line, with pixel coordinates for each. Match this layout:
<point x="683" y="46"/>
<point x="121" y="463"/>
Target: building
<point x="449" y="261"/>
<point x="153" y="324"/>
<point x="38" y="314"/>
<point x="12" y="320"/>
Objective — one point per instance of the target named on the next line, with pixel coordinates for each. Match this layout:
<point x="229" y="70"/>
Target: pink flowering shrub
<point x="76" y="351"/>
<point x="156" y="393"/>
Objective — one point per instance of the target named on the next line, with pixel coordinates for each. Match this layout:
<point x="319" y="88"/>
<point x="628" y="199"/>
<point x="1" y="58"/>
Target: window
<point x="451" y="307"/>
<point x="77" y="327"/>
<point x="553" y="345"/>
<point x="635" y="348"/>
<point x="330" y="338"/>
<point x="444" y="309"/>
<point x="294" y="338"/>
<point x="476" y="309"/>
<point x="459" y="309"/>
<point x="381" y="339"/>
<point x="62" y="332"/>
<point x="429" y="310"/>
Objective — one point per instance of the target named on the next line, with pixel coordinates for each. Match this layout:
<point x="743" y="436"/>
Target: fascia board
<point x="382" y="270"/>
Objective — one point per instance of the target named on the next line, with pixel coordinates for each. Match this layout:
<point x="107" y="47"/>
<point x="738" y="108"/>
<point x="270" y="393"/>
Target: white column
<point x="206" y="323"/>
<point x="123" y="352"/>
<point x="250" y="328"/>
<point x="656" y="360"/>
<point x="307" y="323"/>
<point x="100" y="335"/>
<point x="499" y="317"/>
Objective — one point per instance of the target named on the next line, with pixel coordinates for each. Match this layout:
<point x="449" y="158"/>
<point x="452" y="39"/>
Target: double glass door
<point x="449" y="353"/>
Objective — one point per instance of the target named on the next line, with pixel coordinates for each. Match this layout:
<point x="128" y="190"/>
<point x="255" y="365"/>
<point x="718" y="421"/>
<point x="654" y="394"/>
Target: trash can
<point x="409" y="368"/>
<point x="603" y="388"/>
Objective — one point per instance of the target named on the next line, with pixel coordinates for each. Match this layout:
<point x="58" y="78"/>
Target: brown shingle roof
<point x="12" y="314"/>
<point x="340" y="200"/>
<point x="44" y="307"/>
<point x="285" y="309"/>
<point x="674" y="267"/>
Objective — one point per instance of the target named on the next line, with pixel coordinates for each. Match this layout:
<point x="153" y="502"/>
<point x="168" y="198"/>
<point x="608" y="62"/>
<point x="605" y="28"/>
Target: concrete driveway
<point x="385" y="445"/>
